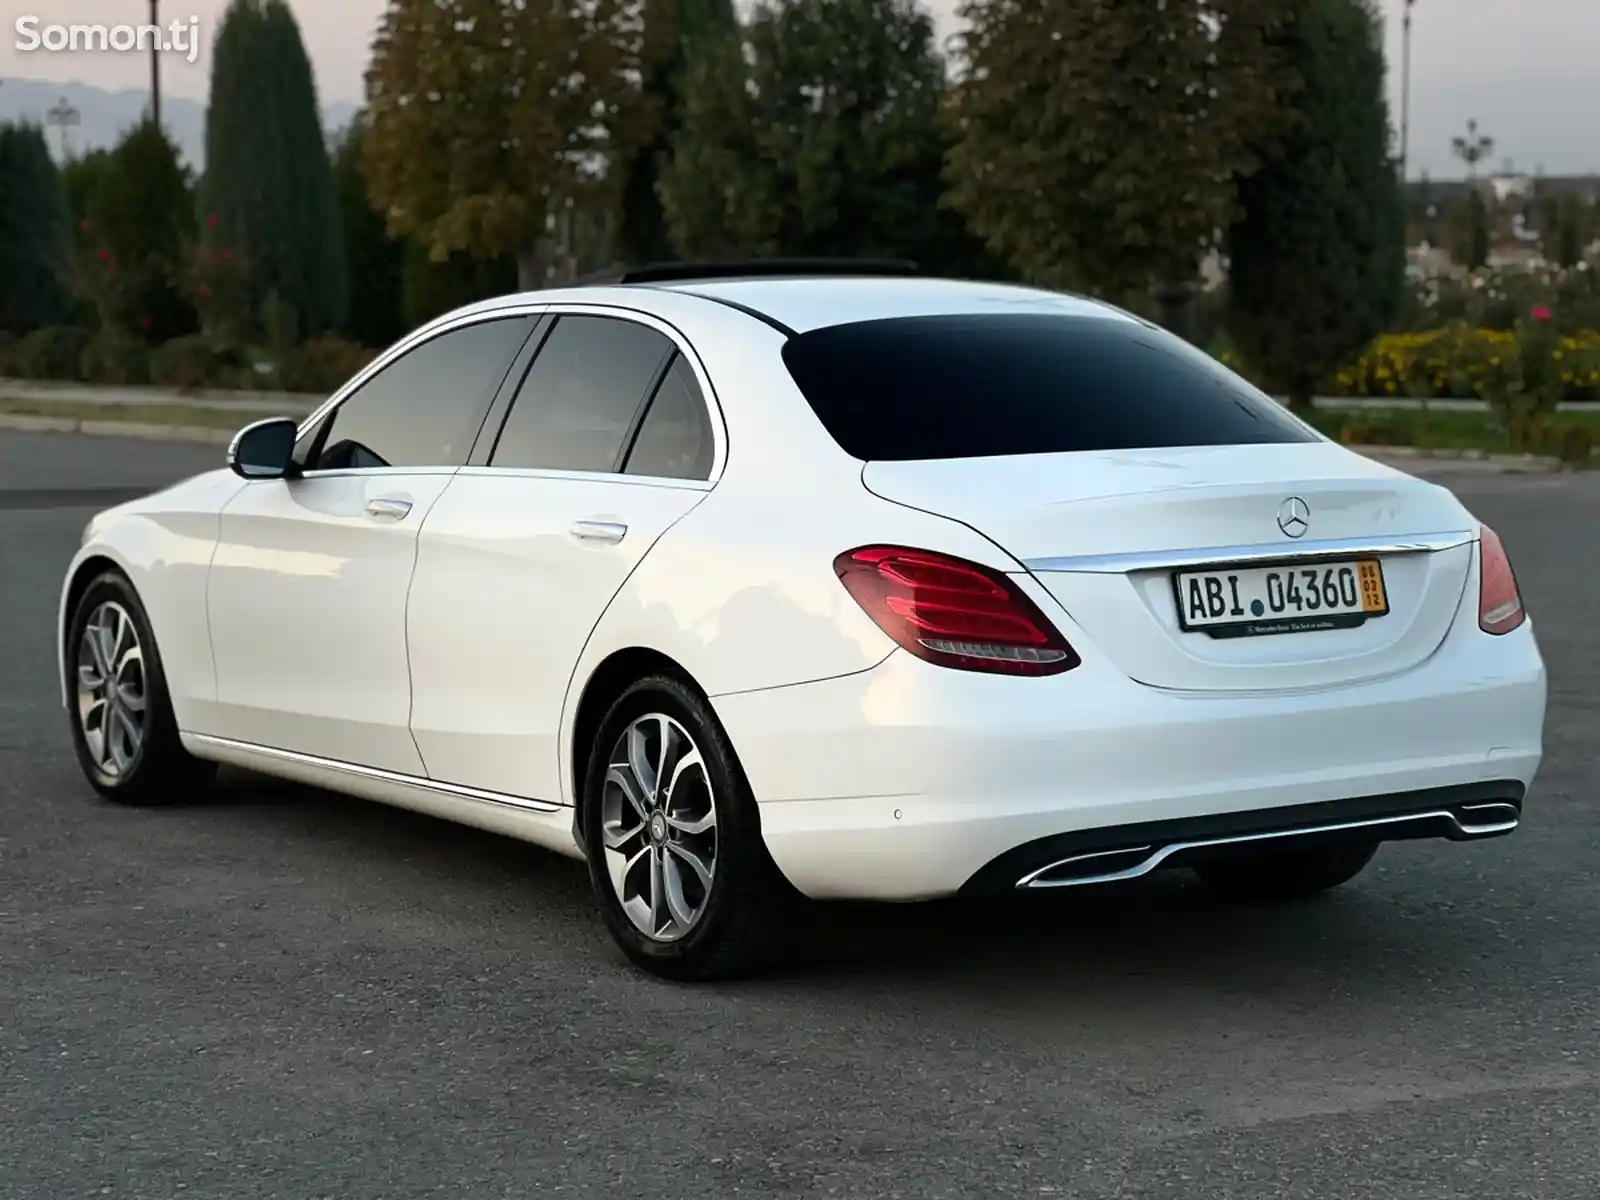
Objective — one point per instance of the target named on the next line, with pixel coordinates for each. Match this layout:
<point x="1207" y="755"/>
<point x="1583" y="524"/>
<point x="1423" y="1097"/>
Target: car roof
<point x="800" y="304"/>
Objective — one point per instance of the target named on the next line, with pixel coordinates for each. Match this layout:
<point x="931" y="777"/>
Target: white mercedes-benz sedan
<point x="810" y="580"/>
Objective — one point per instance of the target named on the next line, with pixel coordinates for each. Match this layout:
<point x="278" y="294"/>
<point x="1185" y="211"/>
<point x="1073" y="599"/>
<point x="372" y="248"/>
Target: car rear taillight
<point x="953" y="612"/>
<point x="1499" y="599"/>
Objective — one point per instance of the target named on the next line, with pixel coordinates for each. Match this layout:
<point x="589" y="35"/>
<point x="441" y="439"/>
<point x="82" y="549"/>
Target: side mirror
<point x="264" y="450"/>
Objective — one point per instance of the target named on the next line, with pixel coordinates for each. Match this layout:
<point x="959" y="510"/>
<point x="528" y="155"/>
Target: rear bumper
<point x="910" y="781"/>
<point x="1464" y="813"/>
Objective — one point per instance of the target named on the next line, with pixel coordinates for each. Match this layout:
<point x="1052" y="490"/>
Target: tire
<point x="144" y="762"/>
<point x="734" y="927"/>
<point x="1288" y="875"/>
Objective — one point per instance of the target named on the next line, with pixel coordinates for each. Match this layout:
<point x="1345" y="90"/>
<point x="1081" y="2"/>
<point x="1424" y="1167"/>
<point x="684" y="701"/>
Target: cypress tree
<point x="35" y="233"/>
<point x="268" y="192"/>
<point x="1317" y="259"/>
<point x="375" y="259"/>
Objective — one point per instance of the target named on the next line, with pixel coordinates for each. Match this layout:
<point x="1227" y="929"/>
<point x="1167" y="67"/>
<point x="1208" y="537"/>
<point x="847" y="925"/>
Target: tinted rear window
<point x="974" y="386"/>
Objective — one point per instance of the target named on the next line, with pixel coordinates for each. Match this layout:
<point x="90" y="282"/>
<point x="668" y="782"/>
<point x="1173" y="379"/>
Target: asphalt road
<point x="289" y="994"/>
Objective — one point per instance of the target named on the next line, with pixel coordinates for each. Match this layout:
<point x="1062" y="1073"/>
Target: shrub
<point x="54" y="352"/>
<point x="325" y="364"/>
<point x="1463" y="363"/>
<point x="1573" y="444"/>
<point x="190" y="362"/>
<point x="115" y="358"/>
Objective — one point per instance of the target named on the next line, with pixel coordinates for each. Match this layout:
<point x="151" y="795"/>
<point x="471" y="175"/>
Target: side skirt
<point x="536" y="821"/>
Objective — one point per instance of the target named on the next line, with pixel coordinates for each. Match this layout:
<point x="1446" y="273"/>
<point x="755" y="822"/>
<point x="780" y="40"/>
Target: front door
<point x="308" y="585"/>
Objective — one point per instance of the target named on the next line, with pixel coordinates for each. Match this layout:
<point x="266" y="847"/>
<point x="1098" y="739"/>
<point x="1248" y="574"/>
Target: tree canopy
<point x="816" y="133"/>
<point x="642" y="230"/>
<point x="491" y="121"/>
<point x="268" y="182"/>
<point x="35" y="233"/>
<point x="1317" y="258"/>
<point x="142" y="212"/>
<point x="1098" y="146"/>
<point x="375" y="259"/>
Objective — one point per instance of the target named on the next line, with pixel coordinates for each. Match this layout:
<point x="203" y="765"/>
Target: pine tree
<point x="1317" y="258"/>
<point x="268" y="192"/>
<point x="35" y="233"/>
<point x="375" y="259"/>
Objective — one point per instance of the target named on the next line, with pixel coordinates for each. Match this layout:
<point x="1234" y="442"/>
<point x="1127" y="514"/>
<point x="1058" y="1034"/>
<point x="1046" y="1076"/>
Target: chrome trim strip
<point x="1156" y="560"/>
<point x="375" y="773"/>
<point x="515" y="307"/>
<point x="522" y="307"/>
<point x="1032" y="879"/>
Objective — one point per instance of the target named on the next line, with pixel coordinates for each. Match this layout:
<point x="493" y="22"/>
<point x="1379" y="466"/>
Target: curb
<point x="122" y="429"/>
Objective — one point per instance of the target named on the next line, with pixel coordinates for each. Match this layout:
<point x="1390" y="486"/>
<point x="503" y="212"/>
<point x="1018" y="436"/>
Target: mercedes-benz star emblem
<point x="1294" y="517"/>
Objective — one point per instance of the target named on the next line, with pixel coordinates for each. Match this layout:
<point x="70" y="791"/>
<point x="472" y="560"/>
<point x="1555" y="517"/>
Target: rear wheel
<point x="673" y="837"/>
<point x="1288" y="875"/>
<point x="123" y="729"/>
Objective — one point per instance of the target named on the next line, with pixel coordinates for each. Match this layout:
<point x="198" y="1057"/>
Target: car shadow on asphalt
<point x="1165" y="930"/>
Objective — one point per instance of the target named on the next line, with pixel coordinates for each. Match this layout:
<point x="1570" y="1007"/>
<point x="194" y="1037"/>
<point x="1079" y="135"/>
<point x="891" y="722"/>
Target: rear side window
<point x="675" y="440"/>
<point x="980" y="385"/>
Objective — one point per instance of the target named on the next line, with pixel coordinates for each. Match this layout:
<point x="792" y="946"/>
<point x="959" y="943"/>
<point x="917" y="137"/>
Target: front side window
<point x="425" y="408"/>
<point x="578" y="401"/>
<point x="674" y="440"/>
<point x="984" y="384"/>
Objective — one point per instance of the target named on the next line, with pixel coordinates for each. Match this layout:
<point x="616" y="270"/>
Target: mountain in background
<point x="105" y="116"/>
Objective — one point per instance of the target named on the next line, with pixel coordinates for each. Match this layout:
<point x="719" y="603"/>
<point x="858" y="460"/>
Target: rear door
<point x="608" y="442"/>
<point x="1200" y="536"/>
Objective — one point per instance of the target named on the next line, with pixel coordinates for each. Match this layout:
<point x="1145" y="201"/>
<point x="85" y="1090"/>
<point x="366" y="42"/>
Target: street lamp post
<point x="155" y="64"/>
<point x="1405" y="86"/>
<point x="64" y="116"/>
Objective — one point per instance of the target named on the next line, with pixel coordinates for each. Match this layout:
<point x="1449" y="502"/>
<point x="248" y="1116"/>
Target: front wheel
<point x="1288" y="875"/>
<point x="673" y="839"/>
<point x="123" y="729"/>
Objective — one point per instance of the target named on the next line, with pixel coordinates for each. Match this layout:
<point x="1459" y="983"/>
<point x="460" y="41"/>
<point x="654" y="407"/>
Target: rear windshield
<point x="979" y="385"/>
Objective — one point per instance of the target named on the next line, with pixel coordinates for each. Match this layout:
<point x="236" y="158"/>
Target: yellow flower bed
<point x="1458" y="363"/>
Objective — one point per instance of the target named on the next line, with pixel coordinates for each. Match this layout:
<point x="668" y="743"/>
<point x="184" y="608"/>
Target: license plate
<point x="1300" y="598"/>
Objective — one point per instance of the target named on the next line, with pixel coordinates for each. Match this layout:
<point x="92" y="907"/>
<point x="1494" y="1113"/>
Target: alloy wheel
<point x="658" y="822"/>
<point x="112" y="697"/>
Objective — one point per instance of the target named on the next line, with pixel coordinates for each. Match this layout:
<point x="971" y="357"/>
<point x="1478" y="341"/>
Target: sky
<point x="1525" y="69"/>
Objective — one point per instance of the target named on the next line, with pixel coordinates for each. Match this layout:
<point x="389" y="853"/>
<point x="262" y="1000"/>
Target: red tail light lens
<point x="1499" y="599"/>
<point x="952" y="612"/>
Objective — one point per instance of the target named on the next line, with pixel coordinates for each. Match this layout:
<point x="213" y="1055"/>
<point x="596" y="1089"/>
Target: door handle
<point x="388" y="506"/>
<point x="599" y="531"/>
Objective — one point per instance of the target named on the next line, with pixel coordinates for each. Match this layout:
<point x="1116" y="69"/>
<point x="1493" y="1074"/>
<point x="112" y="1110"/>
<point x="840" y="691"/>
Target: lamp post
<point x="64" y="116"/>
<point x="1405" y="86"/>
<point x="155" y="64"/>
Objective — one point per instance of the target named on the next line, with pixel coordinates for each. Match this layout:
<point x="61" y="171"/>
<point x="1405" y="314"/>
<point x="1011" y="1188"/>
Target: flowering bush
<point x="1469" y="363"/>
<point x="1497" y="297"/>
<point x="218" y="281"/>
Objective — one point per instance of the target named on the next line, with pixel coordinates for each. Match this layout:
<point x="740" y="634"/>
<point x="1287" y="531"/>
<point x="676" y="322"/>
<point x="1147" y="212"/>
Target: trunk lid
<point x="1105" y="532"/>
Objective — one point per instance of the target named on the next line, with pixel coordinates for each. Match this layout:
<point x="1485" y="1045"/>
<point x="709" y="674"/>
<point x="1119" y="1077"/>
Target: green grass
<point x="188" y="415"/>
<point x="1449" y="430"/>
